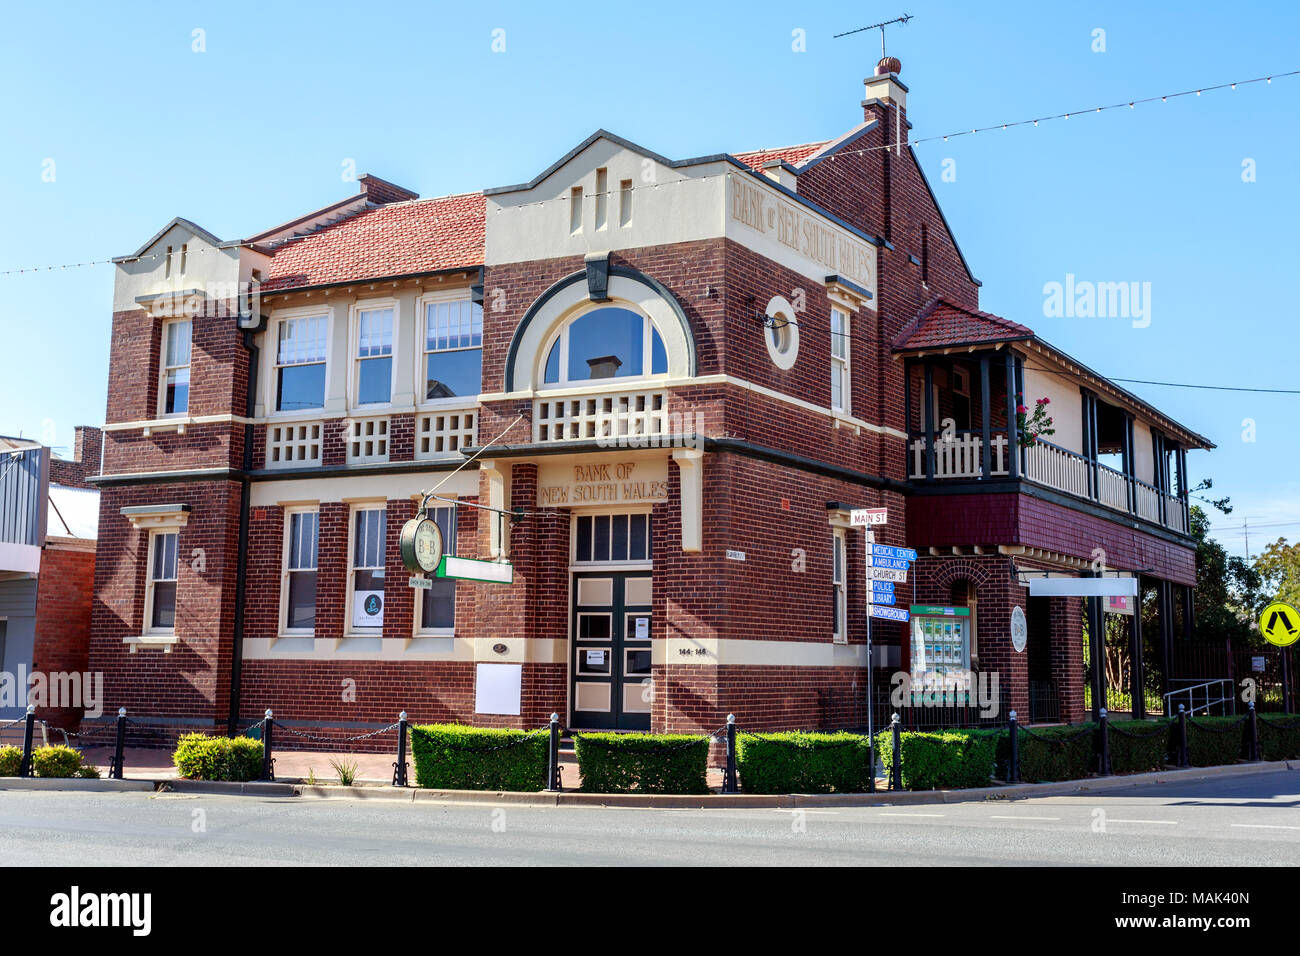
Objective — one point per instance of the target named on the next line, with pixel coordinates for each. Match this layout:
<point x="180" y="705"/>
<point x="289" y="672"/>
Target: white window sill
<point x="165" y="642"/>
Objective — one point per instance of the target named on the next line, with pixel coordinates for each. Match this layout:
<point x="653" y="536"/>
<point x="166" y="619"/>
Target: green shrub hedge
<point x="200" y="757"/>
<point x="799" y="762"/>
<point x="1147" y="749"/>
<point x="947" y="760"/>
<point x="1212" y="741"/>
<point x="1066" y="753"/>
<point x="1279" y="736"/>
<point x="644" y="763"/>
<point x="56" y="761"/>
<point x="456" y="757"/>
<point x="11" y="761"/>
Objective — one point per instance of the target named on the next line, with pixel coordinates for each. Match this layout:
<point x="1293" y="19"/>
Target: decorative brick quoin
<point x="649" y="393"/>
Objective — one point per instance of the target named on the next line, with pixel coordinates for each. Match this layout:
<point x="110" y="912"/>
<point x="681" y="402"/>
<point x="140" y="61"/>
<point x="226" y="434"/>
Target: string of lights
<point x="837" y="155"/>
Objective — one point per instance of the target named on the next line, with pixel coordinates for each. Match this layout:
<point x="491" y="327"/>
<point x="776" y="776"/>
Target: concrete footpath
<point x="286" y="786"/>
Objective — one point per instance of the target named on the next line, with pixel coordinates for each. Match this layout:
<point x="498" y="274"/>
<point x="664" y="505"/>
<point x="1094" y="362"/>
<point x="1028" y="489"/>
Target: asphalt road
<point x="1247" y="820"/>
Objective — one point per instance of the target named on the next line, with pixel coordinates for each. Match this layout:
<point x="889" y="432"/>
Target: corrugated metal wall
<point x="24" y="488"/>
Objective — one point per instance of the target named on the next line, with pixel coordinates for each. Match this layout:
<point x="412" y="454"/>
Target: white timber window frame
<point x="298" y="556"/>
<point x="312" y="347"/>
<point x="839" y="586"/>
<point x="445" y="517"/>
<point x="840" y="356"/>
<point x="175" y="365"/>
<point x="371" y="333"/>
<point x="428" y="313"/>
<point x="374" y="561"/>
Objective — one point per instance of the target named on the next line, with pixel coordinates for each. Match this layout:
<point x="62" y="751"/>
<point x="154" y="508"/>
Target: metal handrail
<point x="1192" y="707"/>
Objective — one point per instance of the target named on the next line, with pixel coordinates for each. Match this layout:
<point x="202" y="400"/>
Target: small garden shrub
<point x="57" y="761"/>
<point x="11" y="761"/>
<point x="200" y="757"/>
<point x="1279" y="736"/>
<point x="1212" y="741"/>
<point x="947" y="760"/>
<point x="642" y="763"/>
<point x="801" y="762"/>
<point x="1067" y="753"/>
<point x="1146" y="749"/>
<point x="456" y="757"/>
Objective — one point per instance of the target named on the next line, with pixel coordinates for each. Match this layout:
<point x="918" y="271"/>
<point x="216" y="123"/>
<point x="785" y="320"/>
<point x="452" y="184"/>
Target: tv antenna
<point x="877" y="26"/>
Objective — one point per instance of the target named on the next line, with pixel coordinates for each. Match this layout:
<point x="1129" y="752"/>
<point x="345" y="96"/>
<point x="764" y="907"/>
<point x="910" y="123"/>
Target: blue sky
<point x="255" y="130"/>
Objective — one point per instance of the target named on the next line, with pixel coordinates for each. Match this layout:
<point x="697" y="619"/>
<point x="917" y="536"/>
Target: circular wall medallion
<point x="781" y="332"/>
<point x="1019" y="629"/>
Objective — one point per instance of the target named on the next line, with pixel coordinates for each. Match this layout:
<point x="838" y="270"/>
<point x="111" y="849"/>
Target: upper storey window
<point x="374" y="356"/>
<point x="608" y="343"/>
<point x="176" y="367"/>
<point x="300" y="363"/>
<point x="453" y="349"/>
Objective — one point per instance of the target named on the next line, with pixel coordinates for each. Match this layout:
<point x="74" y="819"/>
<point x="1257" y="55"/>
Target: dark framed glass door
<point x="610" y="663"/>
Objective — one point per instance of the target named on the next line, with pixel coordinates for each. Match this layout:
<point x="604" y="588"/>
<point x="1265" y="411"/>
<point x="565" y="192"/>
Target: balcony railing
<point x="601" y="416"/>
<point x="961" y="456"/>
<point x="443" y="433"/>
<point x="1052" y="466"/>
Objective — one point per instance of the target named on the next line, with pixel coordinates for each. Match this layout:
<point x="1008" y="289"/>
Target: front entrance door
<point x="610" y="666"/>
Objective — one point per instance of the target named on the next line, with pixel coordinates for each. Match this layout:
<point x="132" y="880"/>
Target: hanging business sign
<point x="1082" y="587"/>
<point x="470" y="569"/>
<point x="1019" y="630"/>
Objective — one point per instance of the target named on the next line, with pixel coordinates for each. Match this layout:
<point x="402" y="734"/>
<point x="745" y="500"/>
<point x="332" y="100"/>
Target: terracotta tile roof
<point x="424" y="235"/>
<point x="794" y="155"/>
<point x="942" y="323"/>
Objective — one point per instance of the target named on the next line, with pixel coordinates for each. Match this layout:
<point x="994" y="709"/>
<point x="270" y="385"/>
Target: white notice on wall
<point x="595" y="658"/>
<point x="498" y="688"/>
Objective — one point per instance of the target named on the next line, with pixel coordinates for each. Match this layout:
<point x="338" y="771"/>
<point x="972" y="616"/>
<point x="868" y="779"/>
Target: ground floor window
<point x="839" y="593"/>
<point x="437" y="604"/>
<point x="160" y="597"/>
<point x="301" y="530"/>
<point x="369" y="532"/>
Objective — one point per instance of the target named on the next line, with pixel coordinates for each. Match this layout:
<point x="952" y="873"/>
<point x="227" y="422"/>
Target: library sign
<point x="569" y="484"/>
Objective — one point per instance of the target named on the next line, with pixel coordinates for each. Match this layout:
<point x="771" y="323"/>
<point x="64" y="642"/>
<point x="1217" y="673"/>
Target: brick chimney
<point x="380" y="191"/>
<point x="886" y="103"/>
<point x="84" y="461"/>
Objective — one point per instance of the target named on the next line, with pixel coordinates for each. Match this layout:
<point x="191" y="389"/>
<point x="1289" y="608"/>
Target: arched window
<point x="604" y="344"/>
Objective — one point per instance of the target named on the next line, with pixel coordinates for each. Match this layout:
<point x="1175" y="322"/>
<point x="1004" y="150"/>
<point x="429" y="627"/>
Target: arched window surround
<point x="558" y="340"/>
<point x="570" y="297"/>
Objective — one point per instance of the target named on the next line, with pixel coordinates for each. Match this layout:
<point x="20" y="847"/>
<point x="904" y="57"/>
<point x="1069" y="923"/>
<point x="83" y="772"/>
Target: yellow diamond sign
<point x="1280" y="624"/>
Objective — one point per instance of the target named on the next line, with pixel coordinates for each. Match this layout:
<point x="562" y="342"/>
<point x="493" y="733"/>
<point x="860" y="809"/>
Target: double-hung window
<point x="300" y="363"/>
<point x="301" y="534"/>
<point x="160" y="590"/>
<point x="176" y="367"/>
<point x="453" y="349"/>
<point x="369" y="526"/>
<point x="839" y="593"/>
<point x="374" y="381"/>
<point x="839" y="360"/>
<point x="438" y="603"/>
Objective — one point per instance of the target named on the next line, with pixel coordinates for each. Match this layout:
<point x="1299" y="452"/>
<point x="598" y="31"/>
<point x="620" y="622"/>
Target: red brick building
<point x="653" y="390"/>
